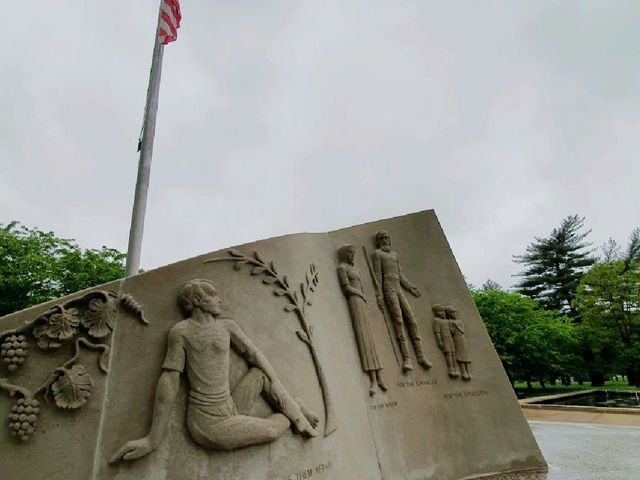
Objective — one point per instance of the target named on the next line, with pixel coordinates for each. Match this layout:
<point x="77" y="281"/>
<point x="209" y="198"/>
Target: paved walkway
<point x="588" y="451"/>
<point x="551" y="413"/>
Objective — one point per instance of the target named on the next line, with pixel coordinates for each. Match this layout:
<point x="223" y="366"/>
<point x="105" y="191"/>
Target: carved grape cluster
<point x="23" y="418"/>
<point x="13" y="351"/>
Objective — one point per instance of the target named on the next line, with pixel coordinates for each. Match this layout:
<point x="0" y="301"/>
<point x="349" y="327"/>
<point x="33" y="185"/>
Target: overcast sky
<point x="287" y="116"/>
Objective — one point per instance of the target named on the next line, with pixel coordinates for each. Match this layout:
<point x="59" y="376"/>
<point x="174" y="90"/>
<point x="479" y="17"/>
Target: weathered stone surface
<point x="321" y="347"/>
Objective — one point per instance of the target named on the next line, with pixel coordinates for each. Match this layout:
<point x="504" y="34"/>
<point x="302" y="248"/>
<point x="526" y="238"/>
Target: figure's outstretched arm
<point x="166" y="393"/>
<point x="404" y="281"/>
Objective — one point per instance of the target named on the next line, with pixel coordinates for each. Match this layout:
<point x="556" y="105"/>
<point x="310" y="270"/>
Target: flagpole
<point x="144" y="163"/>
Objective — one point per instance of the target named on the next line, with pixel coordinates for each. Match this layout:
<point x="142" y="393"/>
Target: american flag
<point x="169" y="21"/>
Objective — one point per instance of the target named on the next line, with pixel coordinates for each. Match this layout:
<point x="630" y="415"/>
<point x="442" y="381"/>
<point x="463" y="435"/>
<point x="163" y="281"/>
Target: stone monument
<point x="283" y="359"/>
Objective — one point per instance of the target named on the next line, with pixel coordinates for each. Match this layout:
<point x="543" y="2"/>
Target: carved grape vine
<point x="92" y="315"/>
<point x="298" y="300"/>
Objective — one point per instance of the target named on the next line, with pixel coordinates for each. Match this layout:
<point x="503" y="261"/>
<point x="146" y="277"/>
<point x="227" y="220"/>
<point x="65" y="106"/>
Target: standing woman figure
<point x="349" y="278"/>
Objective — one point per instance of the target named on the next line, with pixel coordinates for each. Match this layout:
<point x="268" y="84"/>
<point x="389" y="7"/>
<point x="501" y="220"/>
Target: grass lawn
<point x="537" y="391"/>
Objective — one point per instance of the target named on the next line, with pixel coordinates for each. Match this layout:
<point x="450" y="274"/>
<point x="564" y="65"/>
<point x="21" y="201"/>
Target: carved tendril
<point x="103" y="359"/>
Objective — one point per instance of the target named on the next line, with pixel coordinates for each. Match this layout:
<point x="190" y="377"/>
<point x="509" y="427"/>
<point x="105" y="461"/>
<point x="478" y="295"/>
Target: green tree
<point x="37" y="266"/>
<point x="608" y="301"/>
<point x="532" y="343"/>
<point x="555" y="264"/>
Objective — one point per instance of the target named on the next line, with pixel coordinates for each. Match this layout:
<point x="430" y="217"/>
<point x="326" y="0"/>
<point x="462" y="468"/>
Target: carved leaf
<point x="257" y="271"/>
<point x="279" y="292"/>
<point x="302" y="336"/>
<point x="309" y="302"/>
<point x="73" y="388"/>
<point x="238" y="265"/>
<point x="235" y="253"/>
<point x="269" y="280"/>
<point x="310" y="327"/>
<point x="63" y="325"/>
<point x="290" y="307"/>
<point x="43" y="341"/>
<point x="258" y="257"/>
<point x="99" y="317"/>
<point x="285" y="280"/>
<point x="295" y="295"/>
<point x="273" y="267"/>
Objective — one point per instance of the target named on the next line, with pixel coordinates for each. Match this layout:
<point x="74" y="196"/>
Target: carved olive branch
<point x="297" y="304"/>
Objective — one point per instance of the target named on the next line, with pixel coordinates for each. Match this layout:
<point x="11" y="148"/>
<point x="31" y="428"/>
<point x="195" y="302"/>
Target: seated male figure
<point x="216" y="417"/>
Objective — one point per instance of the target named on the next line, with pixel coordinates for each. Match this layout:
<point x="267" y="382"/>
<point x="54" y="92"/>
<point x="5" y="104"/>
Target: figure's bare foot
<point x="426" y="364"/>
<point x="406" y="365"/>
<point x="303" y="427"/>
<point x="309" y="414"/>
<point x="380" y="382"/>
<point x="453" y="374"/>
<point x="372" y="385"/>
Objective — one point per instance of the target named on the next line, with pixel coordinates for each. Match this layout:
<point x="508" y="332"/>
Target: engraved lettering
<point x="323" y="467"/>
<point x="467" y="394"/>
<point x="382" y="406"/>
<point x="306" y="473"/>
<point x="416" y="383"/>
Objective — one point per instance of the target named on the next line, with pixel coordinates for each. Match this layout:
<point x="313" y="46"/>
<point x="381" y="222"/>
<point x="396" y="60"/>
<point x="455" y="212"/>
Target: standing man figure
<point x="390" y="282"/>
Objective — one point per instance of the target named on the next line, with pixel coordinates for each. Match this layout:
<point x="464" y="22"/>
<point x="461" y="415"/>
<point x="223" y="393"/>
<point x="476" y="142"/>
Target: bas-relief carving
<point x="390" y="283"/>
<point x="84" y="319"/>
<point x="349" y="278"/>
<point x="216" y="417"/>
<point x="449" y="331"/>
<point x="298" y="304"/>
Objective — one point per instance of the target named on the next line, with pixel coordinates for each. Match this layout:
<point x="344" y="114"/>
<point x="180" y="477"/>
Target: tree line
<point x="37" y="266"/>
<point x="573" y="313"/>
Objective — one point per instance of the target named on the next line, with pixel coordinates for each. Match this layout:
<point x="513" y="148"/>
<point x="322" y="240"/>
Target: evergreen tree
<point x="555" y="264"/>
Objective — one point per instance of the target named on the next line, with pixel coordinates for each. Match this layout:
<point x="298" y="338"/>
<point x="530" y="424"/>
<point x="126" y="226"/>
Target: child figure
<point x="459" y="342"/>
<point x="444" y="337"/>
